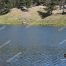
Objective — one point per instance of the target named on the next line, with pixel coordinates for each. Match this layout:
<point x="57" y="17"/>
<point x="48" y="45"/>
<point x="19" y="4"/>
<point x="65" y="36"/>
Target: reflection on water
<point x="39" y="46"/>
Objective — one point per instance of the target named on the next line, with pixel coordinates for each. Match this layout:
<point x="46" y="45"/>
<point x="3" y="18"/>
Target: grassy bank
<point x="32" y="18"/>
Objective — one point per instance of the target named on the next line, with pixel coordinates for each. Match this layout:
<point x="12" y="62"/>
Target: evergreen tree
<point x="29" y="3"/>
<point x="50" y="6"/>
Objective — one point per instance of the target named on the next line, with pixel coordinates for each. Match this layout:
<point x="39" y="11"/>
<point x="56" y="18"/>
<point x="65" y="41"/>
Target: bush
<point x="4" y="11"/>
<point x="4" y="8"/>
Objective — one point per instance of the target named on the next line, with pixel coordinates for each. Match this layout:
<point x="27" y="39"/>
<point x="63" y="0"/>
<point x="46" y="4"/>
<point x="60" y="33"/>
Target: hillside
<point x="35" y="16"/>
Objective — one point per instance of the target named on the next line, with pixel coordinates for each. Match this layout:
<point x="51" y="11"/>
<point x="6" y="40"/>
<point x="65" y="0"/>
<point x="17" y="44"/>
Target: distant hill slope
<point x="33" y="16"/>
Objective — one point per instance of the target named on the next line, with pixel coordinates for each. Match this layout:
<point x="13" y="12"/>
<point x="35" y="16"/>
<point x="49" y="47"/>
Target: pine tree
<point x="50" y="6"/>
<point x="29" y="3"/>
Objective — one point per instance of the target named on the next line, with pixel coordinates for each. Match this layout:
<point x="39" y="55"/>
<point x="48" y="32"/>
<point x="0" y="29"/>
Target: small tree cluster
<point x="50" y="6"/>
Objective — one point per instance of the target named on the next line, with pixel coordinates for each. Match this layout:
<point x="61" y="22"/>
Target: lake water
<point x="32" y="46"/>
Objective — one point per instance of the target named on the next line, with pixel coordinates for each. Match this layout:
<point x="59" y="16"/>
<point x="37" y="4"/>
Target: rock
<point x="64" y="55"/>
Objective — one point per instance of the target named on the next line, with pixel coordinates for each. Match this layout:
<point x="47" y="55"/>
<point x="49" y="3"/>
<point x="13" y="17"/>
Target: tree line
<point x="5" y="5"/>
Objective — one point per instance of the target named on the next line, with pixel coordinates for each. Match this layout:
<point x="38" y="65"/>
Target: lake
<point x="32" y="45"/>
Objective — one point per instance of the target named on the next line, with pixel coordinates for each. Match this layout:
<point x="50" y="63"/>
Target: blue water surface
<point x="39" y="46"/>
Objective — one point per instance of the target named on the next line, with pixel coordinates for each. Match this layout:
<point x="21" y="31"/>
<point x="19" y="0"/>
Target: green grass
<point x="54" y="20"/>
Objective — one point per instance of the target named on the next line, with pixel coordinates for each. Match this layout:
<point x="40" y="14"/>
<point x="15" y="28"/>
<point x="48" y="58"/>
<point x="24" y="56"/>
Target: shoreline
<point x="55" y="24"/>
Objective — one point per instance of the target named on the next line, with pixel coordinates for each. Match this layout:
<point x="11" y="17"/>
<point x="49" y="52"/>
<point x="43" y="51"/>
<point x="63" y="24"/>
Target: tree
<point x="61" y="4"/>
<point x="29" y="3"/>
<point x="50" y="6"/>
<point x="4" y="7"/>
<point x="26" y="3"/>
